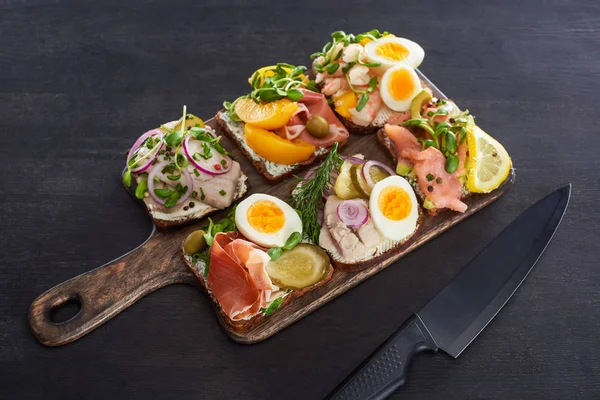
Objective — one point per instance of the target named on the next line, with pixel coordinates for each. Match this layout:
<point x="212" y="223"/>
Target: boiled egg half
<point x="390" y="51"/>
<point x="393" y="208"/>
<point x="399" y="86"/>
<point x="266" y="220"/>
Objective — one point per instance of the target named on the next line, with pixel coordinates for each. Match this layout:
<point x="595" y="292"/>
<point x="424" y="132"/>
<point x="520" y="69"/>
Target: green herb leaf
<point x="127" y="177"/>
<point x="372" y="84"/>
<point x="173" y="177"/>
<point x="275" y="253"/>
<point x="273" y="306"/>
<point x="362" y="101"/>
<point x="202" y="196"/>
<point x="173" y="138"/>
<point x="347" y="67"/>
<point x="338" y="35"/>
<point x="450" y="142"/>
<point x="332" y="68"/>
<point x="307" y="197"/>
<point x="430" y="143"/>
<point x="292" y="241"/>
<point x="163" y="193"/>
<point x="181" y="161"/>
<point x="268" y="95"/>
<point x="142" y="187"/>
<point x="369" y="64"/>
<point x="451" y="164"/>
<point x="294" y="94"/>
<point x="429" y="177"/>
<point x="222" y="192"/>
<point x="196" y="172"/>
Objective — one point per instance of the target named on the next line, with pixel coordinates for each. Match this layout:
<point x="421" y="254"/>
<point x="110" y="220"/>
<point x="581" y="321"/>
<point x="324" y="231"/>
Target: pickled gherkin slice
<point x="301" y="267"/>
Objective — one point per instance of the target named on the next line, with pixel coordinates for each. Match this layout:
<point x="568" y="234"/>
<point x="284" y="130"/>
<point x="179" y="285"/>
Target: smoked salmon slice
<point x="446" y="193"/>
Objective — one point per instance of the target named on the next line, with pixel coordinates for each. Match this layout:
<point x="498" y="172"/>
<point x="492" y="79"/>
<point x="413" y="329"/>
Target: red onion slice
<point x="370" y="164"/>
<point x="353" y="160"/>
<point x="141" y="140"/>
<point x="353" y="213"/>
<point x="214" y="165"/>
<point x="156" y="170"/>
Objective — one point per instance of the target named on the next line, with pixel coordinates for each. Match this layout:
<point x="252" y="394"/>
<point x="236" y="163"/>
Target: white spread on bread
<point x="274" y="169"/>
<point x="350" y="245"/>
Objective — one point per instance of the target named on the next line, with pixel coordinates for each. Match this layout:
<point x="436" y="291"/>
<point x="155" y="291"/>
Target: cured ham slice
<point x="237" y="275"/>
<point x="313" y="103"/>
<point x="446" y="194"/>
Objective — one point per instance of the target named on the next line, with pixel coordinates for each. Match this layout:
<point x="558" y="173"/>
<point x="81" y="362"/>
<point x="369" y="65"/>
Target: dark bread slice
<point x="361" y="265"/>
<point x="243" y="326"/>
<point x="168" y="224"/>
<point x="260" y="164"/>
<point x="385" y="142"/>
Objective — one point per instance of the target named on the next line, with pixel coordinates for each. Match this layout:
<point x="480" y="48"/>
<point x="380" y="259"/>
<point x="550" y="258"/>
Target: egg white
<point x="414" y="59"/>
<point x="392" y="102"/>
<point x="276" y="239"/>
<point x="390" y="229"/>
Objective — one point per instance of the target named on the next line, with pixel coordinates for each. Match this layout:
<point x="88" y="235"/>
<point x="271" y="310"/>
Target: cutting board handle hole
<point x="65" y="311"/>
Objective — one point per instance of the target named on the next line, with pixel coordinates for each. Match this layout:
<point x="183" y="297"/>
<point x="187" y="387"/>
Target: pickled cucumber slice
<point x="344" y="187"/>
<point x="301" y="267"/>
<point x="359" y="181"/>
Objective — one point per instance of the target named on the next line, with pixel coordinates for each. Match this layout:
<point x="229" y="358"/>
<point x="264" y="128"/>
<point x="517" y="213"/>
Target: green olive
<point x="317" y="126"/>
<point x="195" y="242"/>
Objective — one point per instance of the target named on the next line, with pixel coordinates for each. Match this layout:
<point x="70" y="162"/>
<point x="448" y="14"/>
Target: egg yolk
<point x="265" y="216"/>
<point x="394" y="203"/>
<point x="400" y="84"/>
<point x="393" y="51"/>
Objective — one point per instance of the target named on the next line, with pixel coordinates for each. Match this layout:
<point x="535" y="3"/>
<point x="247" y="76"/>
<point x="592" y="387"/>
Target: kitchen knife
<point x="456" y="315"/>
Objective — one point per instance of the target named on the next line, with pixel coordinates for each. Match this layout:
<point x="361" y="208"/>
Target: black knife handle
<point x="385" y="370"/>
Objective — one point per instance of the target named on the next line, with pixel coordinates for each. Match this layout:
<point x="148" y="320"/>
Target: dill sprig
<point x="307" y="198"/>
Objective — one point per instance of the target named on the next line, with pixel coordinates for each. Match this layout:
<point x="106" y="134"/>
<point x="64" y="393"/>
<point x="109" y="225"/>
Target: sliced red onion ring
<point x="141" y="140"/>
<point x="156" y="170"/>
<point x="370" y="164"/>
<point x="353" y="160"/>
<point x="212" y="166"/>
<point x="353" y="213"/>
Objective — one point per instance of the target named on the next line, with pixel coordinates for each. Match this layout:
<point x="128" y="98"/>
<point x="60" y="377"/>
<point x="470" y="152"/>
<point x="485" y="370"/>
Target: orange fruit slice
<point x="275" y="148"/>
<point x="268" y="116"/>
<point x="344" y="102"/>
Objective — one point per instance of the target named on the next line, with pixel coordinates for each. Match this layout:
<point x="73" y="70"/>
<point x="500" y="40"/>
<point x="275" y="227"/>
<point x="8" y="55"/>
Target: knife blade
<point x="461" y="310"/>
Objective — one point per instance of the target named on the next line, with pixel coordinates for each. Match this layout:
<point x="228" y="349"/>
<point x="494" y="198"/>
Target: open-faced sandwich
<point x="370" y="78"/>
<point x="254" y="261"/>
<point x="283" y="123"/>
<point x="444" y="155"/>
<point x="182" y="173"/>
<point x="365" y="210"/>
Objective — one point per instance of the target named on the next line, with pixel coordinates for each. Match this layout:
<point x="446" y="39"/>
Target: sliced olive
<point x="317" y="126"/>
<point x="195" y="242"/>
<point x="303" y="266"/>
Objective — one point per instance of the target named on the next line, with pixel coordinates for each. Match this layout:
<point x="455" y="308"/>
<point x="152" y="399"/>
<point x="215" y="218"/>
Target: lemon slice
<point x="488" y="164"/>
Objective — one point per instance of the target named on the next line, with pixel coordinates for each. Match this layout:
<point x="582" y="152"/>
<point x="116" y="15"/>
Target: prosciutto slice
<point x="237" y="276"/>
<point x="313" y="103"/>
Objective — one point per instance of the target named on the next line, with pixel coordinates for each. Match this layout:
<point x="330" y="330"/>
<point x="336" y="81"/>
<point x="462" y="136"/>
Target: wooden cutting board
<point x="106" y="291"/>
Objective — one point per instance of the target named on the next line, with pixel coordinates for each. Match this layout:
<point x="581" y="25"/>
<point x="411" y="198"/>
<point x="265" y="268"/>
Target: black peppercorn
<point x="430" y="188"/>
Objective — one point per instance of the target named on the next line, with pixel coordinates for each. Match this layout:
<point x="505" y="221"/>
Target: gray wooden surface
<point x="80" y="80"/>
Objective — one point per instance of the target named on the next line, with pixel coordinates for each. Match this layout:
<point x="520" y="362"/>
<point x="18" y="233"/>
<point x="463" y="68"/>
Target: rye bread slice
<point x="166" y="224"/>
<point x="259" y="162"/>
<point x="347" y="265"/>
<point x="385" y="142"/>
<point x="243" y="326"/>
